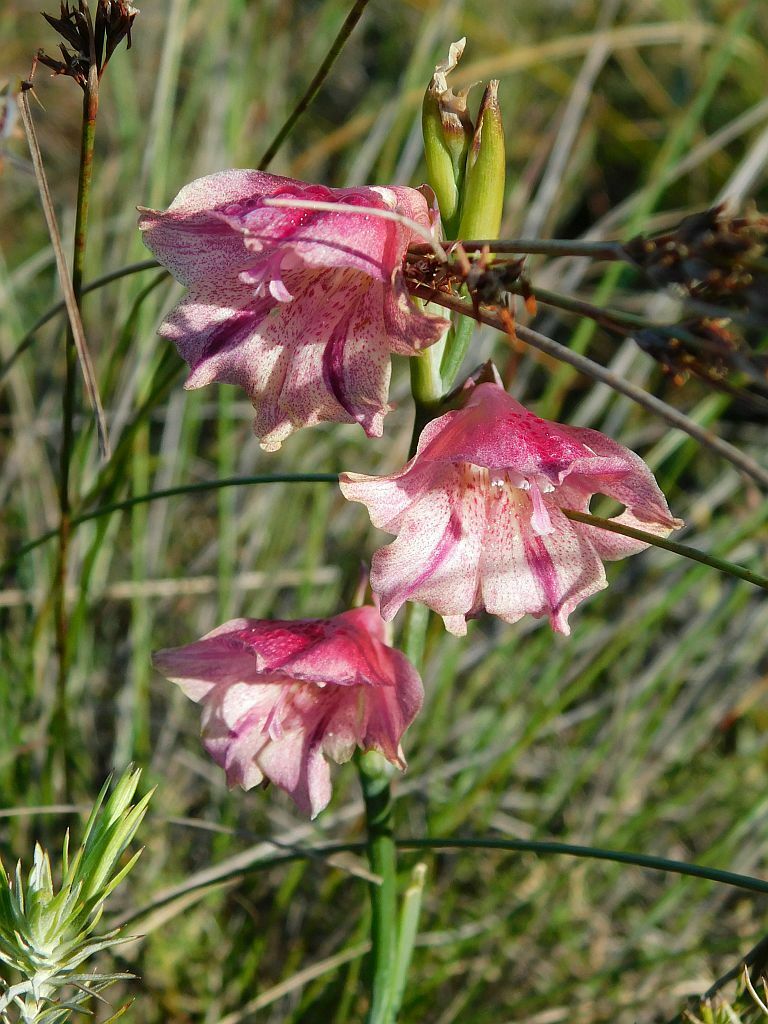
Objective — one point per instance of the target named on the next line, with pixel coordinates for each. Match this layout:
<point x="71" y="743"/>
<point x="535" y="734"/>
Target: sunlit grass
<point x="643" y="731"/>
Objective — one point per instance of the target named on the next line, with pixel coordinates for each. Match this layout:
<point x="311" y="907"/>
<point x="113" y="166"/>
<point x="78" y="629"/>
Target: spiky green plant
<point x="46" y="936"/>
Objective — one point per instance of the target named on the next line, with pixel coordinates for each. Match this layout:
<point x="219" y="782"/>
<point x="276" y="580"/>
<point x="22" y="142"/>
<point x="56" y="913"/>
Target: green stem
<point x="456" y="347"/>
<point x="535" y="246"/>
<point x="59" y="724"/>
<point x="669" y="545"/>
<point x="408" y="930"/>
<point x="212" y="878"/>
<point x="382" y="857"/>
<point x="170" y="492"/>
<point x="60" y="307"/>
<point x="427" y="389"/>
<point x="640" y="860"/>
<point x="314" y="86"/>
<point x="416" y="614"/>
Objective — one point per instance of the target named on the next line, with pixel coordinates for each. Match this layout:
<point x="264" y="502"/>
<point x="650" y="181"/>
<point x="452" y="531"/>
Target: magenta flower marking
<point x="477" y="513"/>
<point x="280" y="697"/>
<point x="302" y="308"/>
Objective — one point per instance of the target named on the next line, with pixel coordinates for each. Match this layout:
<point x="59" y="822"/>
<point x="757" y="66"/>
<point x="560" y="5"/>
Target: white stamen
<point x="363" y="211"/>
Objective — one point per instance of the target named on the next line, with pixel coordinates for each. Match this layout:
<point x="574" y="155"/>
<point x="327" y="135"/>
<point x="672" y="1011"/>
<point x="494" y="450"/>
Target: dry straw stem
<point x="517" y="59"/>
<point x="592" y="369"/>
<point x="70" y="301"/>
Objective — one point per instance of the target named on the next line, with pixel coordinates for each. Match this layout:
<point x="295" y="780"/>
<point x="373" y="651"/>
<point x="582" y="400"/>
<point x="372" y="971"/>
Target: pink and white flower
<point x="280" y="697"/>
<point x="301" y="308"/>
<point x="479" y="521"/>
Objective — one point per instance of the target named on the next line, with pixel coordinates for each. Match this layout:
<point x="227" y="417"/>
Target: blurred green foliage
<point x="644" y="730"/>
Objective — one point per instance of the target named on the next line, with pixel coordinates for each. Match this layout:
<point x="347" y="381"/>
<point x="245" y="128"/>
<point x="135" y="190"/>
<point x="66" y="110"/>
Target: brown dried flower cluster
<point x="712" y="257"/>
<point x="719" y="264"/>
<point x="91" y="42"/>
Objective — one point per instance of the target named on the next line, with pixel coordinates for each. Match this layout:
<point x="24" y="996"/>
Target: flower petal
<point x="621" y="474"/>
<point x="495" y="431"/>
<point x="523" y="572"/>
<point x="437" y="551"/>
<point x="190" y="239"/>
<point x="324" y="356"/>
<point x="477" y="513"/>
<point x="322" y="238"/>
<point x="281" y="697"/>
<point x="300" y="307"/>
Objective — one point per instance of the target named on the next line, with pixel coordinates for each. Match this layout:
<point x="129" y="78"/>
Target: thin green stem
<point x="59" y="724"/>
<point x="639" y="860"/>
<point x="535" y="246"/>
<point x="731" y="568"/>
<point x="170" y="492"/>
<point x="415" y="624"/>
<point x="28" y="337"/>
<point x="382" y="857"/>
<point x="314" y="86"/>
<point x="213" y="878"/>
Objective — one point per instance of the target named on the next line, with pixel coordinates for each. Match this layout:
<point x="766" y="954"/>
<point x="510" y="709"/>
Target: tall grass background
<point x="645" y="730"/>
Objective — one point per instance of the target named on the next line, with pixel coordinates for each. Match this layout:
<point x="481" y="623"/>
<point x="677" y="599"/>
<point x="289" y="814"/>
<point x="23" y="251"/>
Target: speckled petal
<point x="280" y="698"/>
<point x="495" y="431"/>
<point x="301" y="308"/>
<point x="477" y="514"/>
<point x="437" y="551"/>
<point x="523" y="572"/>
<point x="191" y="239"/>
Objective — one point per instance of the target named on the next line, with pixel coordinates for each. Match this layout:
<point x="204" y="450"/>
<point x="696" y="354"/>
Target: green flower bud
<point x="483" y="199"/>
<point x="447" y="130"/>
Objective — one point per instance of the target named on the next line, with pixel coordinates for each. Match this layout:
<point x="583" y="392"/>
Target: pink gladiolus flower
<point x="478" y="514"/>
<point x="300" y="307"/>
<point x="280" y="697"/>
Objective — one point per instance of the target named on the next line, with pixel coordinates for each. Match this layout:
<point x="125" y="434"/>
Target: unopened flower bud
<point x="447" y="129"/>
<point x="483" y="200"/>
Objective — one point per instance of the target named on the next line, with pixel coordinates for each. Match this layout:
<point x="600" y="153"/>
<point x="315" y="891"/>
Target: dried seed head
<point x="87" y="42"/>
<point x="713" y="258"/>
<point x="719" y="266"/>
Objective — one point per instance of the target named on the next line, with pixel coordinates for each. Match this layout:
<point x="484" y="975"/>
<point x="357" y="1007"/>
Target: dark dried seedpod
<point x="718" y="264"/>
<point x="90" y="42"/>
<point x="710" y="256"/>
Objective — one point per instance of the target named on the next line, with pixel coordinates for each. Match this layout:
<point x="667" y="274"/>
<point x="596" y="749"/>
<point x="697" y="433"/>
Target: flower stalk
<point x="382" y="857"/>
<point x="60" y="724"/>
<point x="426" y="388"/>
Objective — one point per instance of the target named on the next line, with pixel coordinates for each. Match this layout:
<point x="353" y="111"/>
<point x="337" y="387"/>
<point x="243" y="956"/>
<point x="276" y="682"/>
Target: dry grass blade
<point x="573" y="117"/>
<point x="296" y="981"/>
<point x="73" y="312"/>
